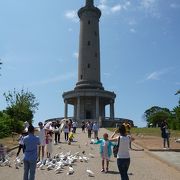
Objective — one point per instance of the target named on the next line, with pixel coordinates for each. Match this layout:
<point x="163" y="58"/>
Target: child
<point x="49" y="139"/>
<point x="105" y="151"/>
<point x="21" y="144"/>
<point x="71" y="136"/>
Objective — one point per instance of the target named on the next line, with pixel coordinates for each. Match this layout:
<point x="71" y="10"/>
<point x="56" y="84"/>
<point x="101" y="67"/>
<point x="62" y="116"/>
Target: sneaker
<point x="102" y="170"/>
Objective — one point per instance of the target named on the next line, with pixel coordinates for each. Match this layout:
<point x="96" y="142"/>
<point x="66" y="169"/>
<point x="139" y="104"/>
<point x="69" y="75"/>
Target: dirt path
<point x="142" y="165"/>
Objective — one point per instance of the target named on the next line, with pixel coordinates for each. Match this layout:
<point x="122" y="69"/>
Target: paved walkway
<point x="143" y="166"/>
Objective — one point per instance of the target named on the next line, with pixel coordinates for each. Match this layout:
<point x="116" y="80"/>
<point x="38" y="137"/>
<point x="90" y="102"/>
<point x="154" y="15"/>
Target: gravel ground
<point x="143" y="166"/>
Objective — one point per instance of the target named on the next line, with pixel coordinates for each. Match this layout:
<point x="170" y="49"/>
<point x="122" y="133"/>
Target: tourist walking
<point x="95" y="129"/>
<point x="105" y="151"/>
<point x="57" y="132"/>
<point x="42" y="137"/>
<point x="165" y="133"/>
<point x="21" y="144"/>
<point x="89" y="128"/>
<point x="123" y="156"/>
<point x="83" y="126"/>
<point x="31" y="143"/>
<point x="74" y="126"/>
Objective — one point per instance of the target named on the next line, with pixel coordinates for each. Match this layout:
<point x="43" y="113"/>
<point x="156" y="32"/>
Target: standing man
<point x="74" y="125"/>
<point x="89" y="128"/>
<point x="165" y="133"/>
<point x="30" y="154"/>
<point x="95" y="129"/>
<point x="42" y="137"/>
<point x="57" y="132"/>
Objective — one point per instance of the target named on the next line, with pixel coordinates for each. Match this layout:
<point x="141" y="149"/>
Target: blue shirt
<point x="31" y="142"/>
<point x="101" y="142"/>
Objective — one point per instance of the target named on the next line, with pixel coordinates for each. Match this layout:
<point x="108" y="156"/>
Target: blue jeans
<point x="29" y="169"/>
<point x="123" y="166"/>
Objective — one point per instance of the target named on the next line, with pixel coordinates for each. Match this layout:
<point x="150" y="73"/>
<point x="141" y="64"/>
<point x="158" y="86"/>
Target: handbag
<point x="116" y="148"/>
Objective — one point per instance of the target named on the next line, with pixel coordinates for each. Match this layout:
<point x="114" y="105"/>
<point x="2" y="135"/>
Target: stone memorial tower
<point x="89" y="97"/>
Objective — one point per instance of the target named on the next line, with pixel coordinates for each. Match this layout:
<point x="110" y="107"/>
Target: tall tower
<point x="89" y="47"/>
<point x="89" y="97"/>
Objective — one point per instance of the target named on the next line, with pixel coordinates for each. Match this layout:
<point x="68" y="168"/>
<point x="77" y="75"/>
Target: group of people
<point x="31" y="143"/>
<point x="90" y="127"/>
<point x="34" y="147"/>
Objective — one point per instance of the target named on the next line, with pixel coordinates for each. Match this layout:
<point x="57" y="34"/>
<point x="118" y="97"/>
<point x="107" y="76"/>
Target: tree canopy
<point x="21" y="107"/>
<point x="151" y="112"/>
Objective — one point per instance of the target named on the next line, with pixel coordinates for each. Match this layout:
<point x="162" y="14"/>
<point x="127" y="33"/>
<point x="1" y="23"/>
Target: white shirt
<point x="42" y="137"/>
<point x="123" y="151"/>
<point x="95" y="127"/>
<point x="74" y="124"/>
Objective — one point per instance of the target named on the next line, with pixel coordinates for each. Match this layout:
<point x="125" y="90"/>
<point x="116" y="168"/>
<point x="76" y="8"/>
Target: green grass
<point x="151" y="132"/>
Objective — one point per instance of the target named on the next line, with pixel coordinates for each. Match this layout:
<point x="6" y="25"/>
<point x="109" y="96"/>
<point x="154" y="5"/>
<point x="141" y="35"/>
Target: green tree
<point x="5" y="125"/>
<point x="148" y="114"/>
<point x="178" y="92"/>
<point x="175" y="118"/>
<point x="21" y="107"/>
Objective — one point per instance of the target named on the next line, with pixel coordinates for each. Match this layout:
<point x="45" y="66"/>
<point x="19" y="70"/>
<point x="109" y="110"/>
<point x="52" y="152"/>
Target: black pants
<point x="123" y="166"/>
<point x="74" y="129"/>
<point x="57" y="137"/>
<point x="19" y="149"/>
<point x="89" y="133"/>
<point x="66" y="136"/>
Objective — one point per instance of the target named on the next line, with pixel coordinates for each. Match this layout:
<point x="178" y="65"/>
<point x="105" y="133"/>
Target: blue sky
<point x="140" y="52"/>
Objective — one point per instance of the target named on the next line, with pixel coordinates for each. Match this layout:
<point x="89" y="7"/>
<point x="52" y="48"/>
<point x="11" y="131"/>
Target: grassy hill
<point x="151" y="132"/>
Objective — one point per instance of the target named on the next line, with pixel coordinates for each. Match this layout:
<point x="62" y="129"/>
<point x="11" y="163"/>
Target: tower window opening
<point x="89" y="43"/>
<point x="81" y="76"/>
<point x="95" y="55"/>
<point x="89" y="22"/>
<point x="88" y="65"/>
<point x="95" y="33"/>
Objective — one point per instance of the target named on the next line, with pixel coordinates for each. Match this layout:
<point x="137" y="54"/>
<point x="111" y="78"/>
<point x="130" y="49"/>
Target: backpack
<point x="116" y="148"/>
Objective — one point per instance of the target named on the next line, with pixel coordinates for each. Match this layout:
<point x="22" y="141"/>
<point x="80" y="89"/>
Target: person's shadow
<point x="113" y="172"/>
<point x="116" y="172"/>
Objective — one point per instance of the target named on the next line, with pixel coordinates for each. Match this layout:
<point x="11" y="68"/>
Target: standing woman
<point x="123" y="157"/>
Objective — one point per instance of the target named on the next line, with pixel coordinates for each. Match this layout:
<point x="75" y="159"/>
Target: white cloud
<point x="55" y="79"/>
<point x="106" y="74"/>
<point x="174" y="6"/>
<point x="148" y="4"/>
<point x="132" y="30"/>
<point x="116" y="8"/>
<point x="126" y="5"/>
<point x="177" y="83"/>
<point x="150" y="7"/>
<point x="156" y="75"/>
<point x="72" y="15"/>
<point x="76" y="55"/>
<point x="70" y="29"/>
<point x="109" y="9"/>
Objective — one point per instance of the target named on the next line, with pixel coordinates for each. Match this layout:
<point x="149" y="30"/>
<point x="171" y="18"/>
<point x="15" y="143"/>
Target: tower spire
<point x="89" y="2"/>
